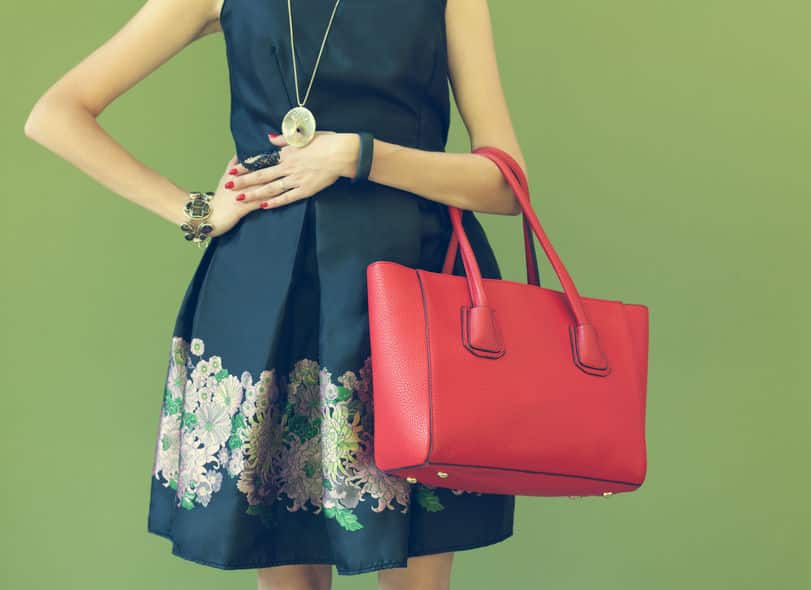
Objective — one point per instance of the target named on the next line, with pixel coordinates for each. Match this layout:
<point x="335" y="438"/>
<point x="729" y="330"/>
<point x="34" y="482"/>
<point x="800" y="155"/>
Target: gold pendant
<point x="298" y="126"/>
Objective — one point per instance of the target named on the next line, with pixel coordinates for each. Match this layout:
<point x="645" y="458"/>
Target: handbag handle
<point x="533" y="274"/>
<point x="481" y="328"/>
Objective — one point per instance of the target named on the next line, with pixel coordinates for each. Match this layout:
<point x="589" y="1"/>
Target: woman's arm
<point x="462" y="180"/>
<point x="64" y="118"/>
<point x="467" y="181"/>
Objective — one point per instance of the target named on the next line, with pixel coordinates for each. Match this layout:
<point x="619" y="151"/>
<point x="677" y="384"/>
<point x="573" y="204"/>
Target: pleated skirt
<point x="264" y="442"/>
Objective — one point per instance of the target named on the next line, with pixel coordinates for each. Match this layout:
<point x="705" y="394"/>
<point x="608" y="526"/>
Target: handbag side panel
<point x="399" y="366"/>
<point x="639" y="327"/>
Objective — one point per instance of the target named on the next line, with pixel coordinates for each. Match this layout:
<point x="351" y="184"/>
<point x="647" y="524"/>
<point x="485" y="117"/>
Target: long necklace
<point x="298" y="125"/>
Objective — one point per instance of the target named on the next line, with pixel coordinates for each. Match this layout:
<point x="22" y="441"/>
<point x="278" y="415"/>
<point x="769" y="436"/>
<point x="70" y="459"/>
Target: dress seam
<point x="429" y="83"/>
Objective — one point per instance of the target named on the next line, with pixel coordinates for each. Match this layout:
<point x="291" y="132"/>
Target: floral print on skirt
<point x="314" y="448"/>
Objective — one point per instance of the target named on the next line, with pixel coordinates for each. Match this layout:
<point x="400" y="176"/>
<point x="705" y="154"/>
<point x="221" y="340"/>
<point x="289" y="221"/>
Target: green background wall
<point x="668" y="150"/>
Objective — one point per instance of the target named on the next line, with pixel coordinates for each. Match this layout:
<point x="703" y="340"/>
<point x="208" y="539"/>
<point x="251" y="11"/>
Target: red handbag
<point x="498" y="386"/>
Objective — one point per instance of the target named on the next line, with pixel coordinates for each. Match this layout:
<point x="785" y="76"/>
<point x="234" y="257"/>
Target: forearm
<point x="463" y="180"/>
<point x="73" y="133"/>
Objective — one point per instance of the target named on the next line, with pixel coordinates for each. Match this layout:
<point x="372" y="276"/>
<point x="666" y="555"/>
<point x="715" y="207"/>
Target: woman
<point x="264" y="454"/>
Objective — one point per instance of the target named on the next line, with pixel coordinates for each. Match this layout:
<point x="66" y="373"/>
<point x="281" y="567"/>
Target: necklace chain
<point x="318" y="59"/>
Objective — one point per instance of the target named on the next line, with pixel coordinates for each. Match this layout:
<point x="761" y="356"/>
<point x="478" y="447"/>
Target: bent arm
<point x="64" y="121"/>
<point x="463" y="180"/>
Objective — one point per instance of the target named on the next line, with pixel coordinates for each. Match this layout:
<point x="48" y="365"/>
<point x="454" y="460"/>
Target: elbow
<point x="514" y="205"/>
<point x="32" y="122"/>
<point x="41" y="117"/>
<point x="511" y="208"/>
<point x="507" y="204"/>
<point x="516" y="209"/>
<point x="28" y="127"/>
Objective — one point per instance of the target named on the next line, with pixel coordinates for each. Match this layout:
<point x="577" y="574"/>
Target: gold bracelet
<point x="197" y="210"/>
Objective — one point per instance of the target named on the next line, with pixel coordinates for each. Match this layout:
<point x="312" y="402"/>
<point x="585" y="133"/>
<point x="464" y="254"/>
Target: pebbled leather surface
<point x="530" y="420"/>
<point x="399" y="365"/>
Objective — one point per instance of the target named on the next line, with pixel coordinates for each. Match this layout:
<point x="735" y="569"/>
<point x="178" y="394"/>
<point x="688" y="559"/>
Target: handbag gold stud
<point x="606" y="494"/>
<point x="441" y="474"/>
<point x="411" y="479"/>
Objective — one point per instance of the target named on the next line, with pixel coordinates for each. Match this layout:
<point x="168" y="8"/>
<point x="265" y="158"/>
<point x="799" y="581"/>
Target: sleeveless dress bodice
<point x="264" y="448"/>
<point x="383" y="69"/>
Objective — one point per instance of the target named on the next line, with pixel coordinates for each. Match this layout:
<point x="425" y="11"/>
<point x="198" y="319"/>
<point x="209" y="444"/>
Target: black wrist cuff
<point x="364" y="156"/>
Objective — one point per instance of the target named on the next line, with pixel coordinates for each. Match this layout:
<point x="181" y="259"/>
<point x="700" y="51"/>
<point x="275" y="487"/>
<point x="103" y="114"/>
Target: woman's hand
<point x="225" y="212"/>
<point x="300" y="173"/>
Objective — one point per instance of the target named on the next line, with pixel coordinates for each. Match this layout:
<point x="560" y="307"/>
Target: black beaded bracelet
<point x="364" y="156"/>
<point x="197" y="209"/>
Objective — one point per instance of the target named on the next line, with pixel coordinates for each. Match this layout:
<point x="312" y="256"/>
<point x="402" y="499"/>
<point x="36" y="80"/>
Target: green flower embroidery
<point x="314" y="449"/>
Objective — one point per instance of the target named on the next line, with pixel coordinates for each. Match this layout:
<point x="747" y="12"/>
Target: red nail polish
<point x="273" y="135"/>
<point x="229" y="184"/>
<point x="233" y="171"/>
<point x="263" y="204"/>
<point x="240" y="197"/>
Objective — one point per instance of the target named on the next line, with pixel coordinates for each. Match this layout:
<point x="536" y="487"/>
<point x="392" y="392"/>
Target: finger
<point x="270" y="190"/>
<point x="237" y="169"/>
<point x="256" y="178"/>
<point x="277" y="139"/>
<point x="234" y="167"/>
<point x="294" y="194"/>
<point x="248" y="207"/>
<point x="229" y="166"/>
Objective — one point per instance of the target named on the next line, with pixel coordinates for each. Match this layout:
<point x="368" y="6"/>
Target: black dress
<point x="263" y="454"/>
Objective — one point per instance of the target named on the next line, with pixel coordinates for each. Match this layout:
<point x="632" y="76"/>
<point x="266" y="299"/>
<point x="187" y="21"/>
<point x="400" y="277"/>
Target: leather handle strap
<point x="585" y="341"/>
<point x="531" y="258"/>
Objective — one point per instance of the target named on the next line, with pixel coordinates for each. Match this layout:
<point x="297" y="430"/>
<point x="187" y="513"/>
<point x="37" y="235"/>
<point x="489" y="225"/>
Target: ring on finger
<point x="283" y="185"/>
